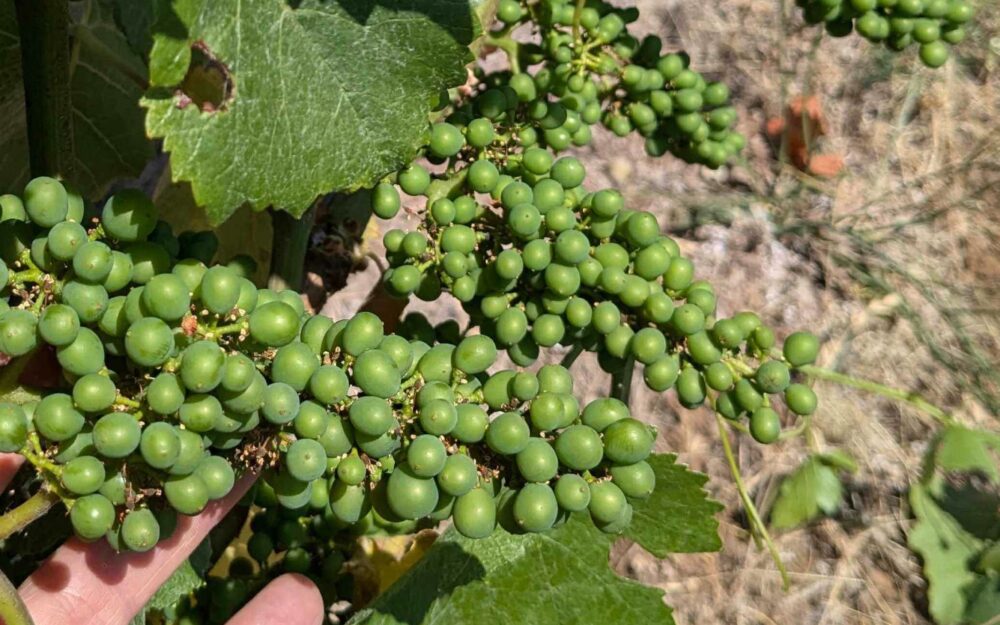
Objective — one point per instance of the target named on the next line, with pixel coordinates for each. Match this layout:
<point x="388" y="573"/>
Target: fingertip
<point x="9" y="464"/>
<point x="290" y="599"/>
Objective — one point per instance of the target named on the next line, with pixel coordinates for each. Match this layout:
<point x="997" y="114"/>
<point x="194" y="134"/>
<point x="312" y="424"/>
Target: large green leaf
<point x="947" y="550"/>
<point x="106" y="82"/>
<point x="537" y="579"/>
<point x="560" y="576"/>
<point x="811" y="490"/>
<point x="678" y="518"/>
<point x="325" y="96"/>
<point x="963" y="449"/>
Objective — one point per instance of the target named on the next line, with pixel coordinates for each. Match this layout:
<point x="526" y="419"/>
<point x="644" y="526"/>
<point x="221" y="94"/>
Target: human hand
<point x="90" y="584"/>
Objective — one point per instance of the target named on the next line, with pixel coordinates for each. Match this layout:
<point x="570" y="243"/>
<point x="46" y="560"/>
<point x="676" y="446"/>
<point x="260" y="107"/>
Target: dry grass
<point x="895" y="263"/>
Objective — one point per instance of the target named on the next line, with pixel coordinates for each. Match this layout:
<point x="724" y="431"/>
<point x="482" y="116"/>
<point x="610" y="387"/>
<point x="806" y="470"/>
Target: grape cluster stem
<point x="757" y="527"/>
<point x="24" y="515"/>
<point x="12" y="608"/>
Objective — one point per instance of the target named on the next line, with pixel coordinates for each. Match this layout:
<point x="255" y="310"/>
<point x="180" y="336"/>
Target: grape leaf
<point x="947" y="550"/>
<point x="283" y="104"/>
<point x="678" y="518"/>
<point x="811" y="490"/>
<point x="561" y="576"/>
<point x="962" y="449"/>
<point x="107" y="79"/>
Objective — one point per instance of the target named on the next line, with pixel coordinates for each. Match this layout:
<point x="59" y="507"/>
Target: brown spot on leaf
<point x="208" y="84"/>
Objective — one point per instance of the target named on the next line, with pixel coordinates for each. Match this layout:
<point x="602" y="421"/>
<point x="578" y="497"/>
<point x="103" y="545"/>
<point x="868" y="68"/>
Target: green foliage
<point x="344" y="121"/>
<point x="107" y="80"/>
<point x="558" y="577"/>
<point x="812" y="490"/>
<point x="956" y="529"/>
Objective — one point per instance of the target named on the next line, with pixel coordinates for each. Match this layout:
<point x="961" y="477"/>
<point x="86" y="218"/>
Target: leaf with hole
<point x="328" y="96"/>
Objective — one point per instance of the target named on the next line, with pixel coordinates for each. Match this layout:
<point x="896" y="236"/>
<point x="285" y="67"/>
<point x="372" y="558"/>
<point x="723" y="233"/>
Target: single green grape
<point x="92" y="516"/>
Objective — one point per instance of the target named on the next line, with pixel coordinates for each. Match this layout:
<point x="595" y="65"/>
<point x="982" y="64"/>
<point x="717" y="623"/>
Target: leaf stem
<point x="43" y="26"/>
<point x="571" y="356"/>
<point x="288" y="250"/>
<point x="27" y="513"/>
<point x="908" y="397"/>
<point x="12" y="608"/>
<point x="756" y="524"/>
<point x="621" y="381"/>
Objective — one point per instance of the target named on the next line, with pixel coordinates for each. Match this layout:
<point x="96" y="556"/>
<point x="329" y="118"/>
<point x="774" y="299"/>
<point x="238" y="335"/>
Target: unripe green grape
<point x="220" y="289"/>
<point x="90" y="301"/>
<point x="116" y="435"/>
<point x="165" y="394"/>
<point x="94" y="393"/>
<point x="371" y="415"/>
<point x="438" y="417"/>
<point x="274" y="324"/>
<point x="635" y="480"/>
<point x="148" y="342"/>
<point x="458" y="476"/>
<point x="281" y="403"/>
<point x="56" y="418"/>
<point x="765" y="425"/>
<point x="159" y="445"/>
<point x="363" y="332"/>
<point x="511" y="326"/>
<point x="414" y="180"/>
<point x="471" y="424"/>
<point x="93" y="261"/>
<point x="479" y="132"/>
<point x="65" y="239"/>
<point x="627" y="441"/>
<point x="58" y="325"/>
<point x="187" y="494"/>
<point x="128" y="216"/>
<point x="801" y="348"/>
<point x="688" y="319"/>
<point x="435" y="390"/>
<point x="337" y="438"/>
<point x="524" y="220"/>
<point x="191" y="452"/>
<point x="607" y="502"/>
<point x="718" y="376"/>
<point x="203" y="365"/>
<point x="537" y="462"/>
<point x="772" y="377"/>
<point x="934" y="54"/>
<point x="13" y="427"/>
<point x="45" y="201"/>
<point x="140" y="530"/>
<point x="445" y="140"/>
<point x="579" y="447"/>
<point x="508" y="264"/>
<point x="121" y="272"/>
<point x="800" y="399"/>
<point x="12" y="209"/>
<point x="349" y="503"/>
<point x="458" y="238"/>
<point x="475" y="513"/>
<point x="114" y="322"/>
<point x="166" y="296"/>
<point x="474" y="354"/>
<point x="661" y="374"/>
<point x="548" y="330"/>
<point x="535" y="508"/>
<point x="84" y="355"/>
<point x="690" y="388"/>
<point x="92" y="516"/>
<point x="305" y="460"/>
<point x="410" y="496"/>
<point x="352" y="470"/>
<point x="546" y="411"/>
<point x="83" y="475"/>
<point x="385" y="201"/>
<point x="617" y="343"/>
<point x="747" y="396"/>
<point x="508" y="434"/>
<point x="426" y="456"/>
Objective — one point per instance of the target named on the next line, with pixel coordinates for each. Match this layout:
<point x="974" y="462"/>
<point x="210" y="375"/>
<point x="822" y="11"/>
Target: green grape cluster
<point x="585" y="69"/>
<point x="933" y="25"/>
<point x="537" y="260"/>
<point x="179" y="376"/>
